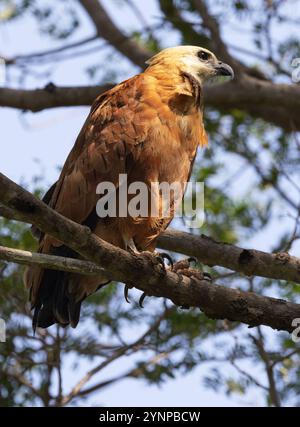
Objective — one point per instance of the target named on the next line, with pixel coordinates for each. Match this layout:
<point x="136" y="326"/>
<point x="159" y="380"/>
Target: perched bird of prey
<point x="149" y="128"/>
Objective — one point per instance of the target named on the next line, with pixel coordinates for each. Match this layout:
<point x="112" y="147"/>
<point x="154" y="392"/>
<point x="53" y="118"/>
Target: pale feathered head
<point x="196" y="61"/>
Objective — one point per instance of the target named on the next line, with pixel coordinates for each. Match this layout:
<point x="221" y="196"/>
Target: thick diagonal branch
<point x="109" y="31"/>
<point x="145" y="272"/>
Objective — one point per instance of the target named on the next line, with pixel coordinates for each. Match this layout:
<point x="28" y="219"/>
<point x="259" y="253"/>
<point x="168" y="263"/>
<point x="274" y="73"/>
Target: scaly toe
<point x="185" y="263"/>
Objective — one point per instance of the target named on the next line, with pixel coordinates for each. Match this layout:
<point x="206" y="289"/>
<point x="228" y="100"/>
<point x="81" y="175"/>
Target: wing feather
<point x="106" y="143"/>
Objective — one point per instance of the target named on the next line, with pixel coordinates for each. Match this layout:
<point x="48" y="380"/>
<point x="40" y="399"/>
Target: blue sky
<point x="39" y="143"/>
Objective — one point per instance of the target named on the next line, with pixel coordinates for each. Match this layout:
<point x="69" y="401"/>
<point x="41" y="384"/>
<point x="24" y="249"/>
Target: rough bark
<point x="145" y="272"/>
<point x="250" y="262"/>
<point x="50" y="261"/>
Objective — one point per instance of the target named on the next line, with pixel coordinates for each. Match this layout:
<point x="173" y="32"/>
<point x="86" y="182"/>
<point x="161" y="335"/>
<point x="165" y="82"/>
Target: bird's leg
<point x="181" y="267"/>
<point x="160" y="257"/>
<point x="130" y="247"/>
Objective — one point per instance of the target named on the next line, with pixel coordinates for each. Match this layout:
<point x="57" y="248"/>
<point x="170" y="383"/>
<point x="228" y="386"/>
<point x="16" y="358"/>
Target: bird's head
<point x="196" y="61"/>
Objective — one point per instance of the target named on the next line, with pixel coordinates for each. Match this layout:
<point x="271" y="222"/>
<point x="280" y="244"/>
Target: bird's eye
<point x="203" y="55"/>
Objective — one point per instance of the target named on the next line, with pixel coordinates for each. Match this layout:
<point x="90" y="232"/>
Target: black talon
<point x="141" y="300"/>
<point x="126" y="289"/>
<point x="162" y="256"/>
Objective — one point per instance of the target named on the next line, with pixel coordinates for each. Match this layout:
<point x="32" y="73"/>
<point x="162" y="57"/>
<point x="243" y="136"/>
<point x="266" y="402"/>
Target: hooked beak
<point x="223" y="69"/>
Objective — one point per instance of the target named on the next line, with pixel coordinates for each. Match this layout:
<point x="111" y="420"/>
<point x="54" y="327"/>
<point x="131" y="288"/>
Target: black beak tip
<point x="224" y="70"/>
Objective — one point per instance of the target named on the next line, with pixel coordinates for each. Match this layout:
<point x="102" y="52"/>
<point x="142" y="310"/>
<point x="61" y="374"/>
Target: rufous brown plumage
<point x="149" y="128"/>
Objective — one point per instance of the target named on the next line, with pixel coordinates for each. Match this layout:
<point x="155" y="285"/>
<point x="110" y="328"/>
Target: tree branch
<point x="273" y="393"/>
<point x="50" y="261"/>
<point x="212" y="25"/>
<point x="213" y="42"/>
<point x="41" y="54"/>
<point x="77" y="389"/>
<point x="173" y="15"/>
<point x="145" y="272"/>
<point x="259" y="98"/>
<point x="6" y="212"/>
<point x="109" y="31"/>
<point x="280" y="266"/>
<point x="50" y="97"/>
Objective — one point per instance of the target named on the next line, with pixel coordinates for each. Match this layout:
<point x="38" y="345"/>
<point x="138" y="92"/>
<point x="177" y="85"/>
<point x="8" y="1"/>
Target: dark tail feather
<point x="55" y="303"/>
<point x="52" y="305"/>
<point x="59" y="296"/>
<point x="74" y="311"/>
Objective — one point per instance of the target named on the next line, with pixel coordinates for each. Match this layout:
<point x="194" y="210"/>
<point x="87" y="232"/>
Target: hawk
<point x="147" y="128"/>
